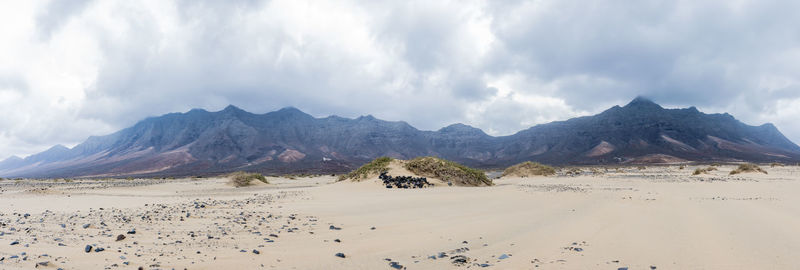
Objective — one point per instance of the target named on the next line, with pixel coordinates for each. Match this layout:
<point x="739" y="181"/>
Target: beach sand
<point x="661" y="217"/>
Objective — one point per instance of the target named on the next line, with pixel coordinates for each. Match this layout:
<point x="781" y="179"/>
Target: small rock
<point x="337" y="240"/>
<point x="99" y="249"/>
<point x="340" y="255"/>
<point x="88" y="248"/>
<point x="86" y="226"/>
<point x="503" y="257"/>
<point x="459" y="260"/>
<point x="120" y="237"/>
<point x="15" y="243"/>
<point x="395" y="265"/>
<point x="255" y="251"/>
<point x="132" y="231"/>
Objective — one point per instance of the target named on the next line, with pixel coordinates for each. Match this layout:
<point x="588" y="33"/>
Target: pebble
<point x="120" y="237"/>
<point x="88" y="248"/>
<point x="395" y="265"/>
<point x="340" y="255"/>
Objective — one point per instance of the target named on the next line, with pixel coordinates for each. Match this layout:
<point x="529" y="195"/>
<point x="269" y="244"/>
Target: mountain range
<point x="199" y="142"/>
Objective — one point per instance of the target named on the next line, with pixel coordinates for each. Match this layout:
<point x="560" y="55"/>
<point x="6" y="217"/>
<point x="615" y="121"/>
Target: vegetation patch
<point x="243" y="179"/>
<point x="375" y="167"/>
<point x="773" y="165"/>
<point x="528" y="169"/>
<point x="699" y="171"/>
<point x="748" y="168"/>
<point x="574" y="172"/>
<point x="447" y="171"/>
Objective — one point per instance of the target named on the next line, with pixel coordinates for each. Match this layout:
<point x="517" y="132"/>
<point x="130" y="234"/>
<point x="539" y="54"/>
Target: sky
<point x="73" y="69"/>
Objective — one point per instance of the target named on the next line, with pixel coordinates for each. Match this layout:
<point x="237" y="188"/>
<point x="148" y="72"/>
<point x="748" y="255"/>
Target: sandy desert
<point x="659" y="217"/>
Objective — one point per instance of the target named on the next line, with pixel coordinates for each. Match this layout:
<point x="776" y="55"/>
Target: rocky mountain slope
<point x="290" y="141"/>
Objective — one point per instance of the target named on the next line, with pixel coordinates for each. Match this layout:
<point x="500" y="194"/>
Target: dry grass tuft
<point x="447" y="171"/>
<point x="528" y="169"/>
<point x="748" y="168"/>
<point x="699" y="171"/>
<point x="375" y="167"/>
<point x="243" y="179"/>
<point x="574" y="172"/>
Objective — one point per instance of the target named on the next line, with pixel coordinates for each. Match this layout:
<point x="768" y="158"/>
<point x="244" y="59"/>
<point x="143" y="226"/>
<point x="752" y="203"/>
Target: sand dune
<point x="660" y="217"/>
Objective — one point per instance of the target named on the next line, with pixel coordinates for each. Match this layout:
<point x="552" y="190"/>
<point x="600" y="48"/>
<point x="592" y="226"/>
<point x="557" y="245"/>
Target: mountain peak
<point x="642" y="102"/>
<point x="12" y="158"/>
<point x="231" y="108"/>
<point x="57" y="147"/>
<point x="461" y="128"/>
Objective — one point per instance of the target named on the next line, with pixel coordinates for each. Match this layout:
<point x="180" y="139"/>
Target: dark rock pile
<point x="404" y="181"/>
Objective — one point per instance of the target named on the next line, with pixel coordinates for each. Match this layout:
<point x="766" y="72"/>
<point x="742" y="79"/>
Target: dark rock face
<point x="290" y="141"/>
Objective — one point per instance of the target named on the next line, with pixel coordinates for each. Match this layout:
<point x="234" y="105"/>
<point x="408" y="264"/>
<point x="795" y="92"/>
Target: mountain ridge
<point x="289" y="140"/>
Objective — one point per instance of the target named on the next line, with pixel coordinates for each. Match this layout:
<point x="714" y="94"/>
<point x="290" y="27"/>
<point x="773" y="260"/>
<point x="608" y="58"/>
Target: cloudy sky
<point x="71" y="69"/>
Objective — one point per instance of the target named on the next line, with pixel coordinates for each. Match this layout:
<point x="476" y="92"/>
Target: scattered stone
<point x="15" y="243"/>
<point x="132" y="231"/>
<point x="395" y="265"/>
<point x="88" y="248"/>
<point x="403" y="181"/>
<point x="334" y="228"/>
<point x="255" y="251"/>
<point x="459" y="260"/>
<point x="340" y="255"/>
<point x="503" y="257"/>
<point x="99" y="249"/>
<point x="85" y="226"/>
<point x="120" y="237"/>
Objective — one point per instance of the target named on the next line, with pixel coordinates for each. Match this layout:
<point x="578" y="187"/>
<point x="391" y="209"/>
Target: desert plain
<point x="658" y="217"/>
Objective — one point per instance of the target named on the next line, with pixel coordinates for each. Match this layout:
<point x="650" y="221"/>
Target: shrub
<point x="641" y="168"/>
<point x="703" y="171"/>
<point x="681" y="167"/>
<point x="775" y="164"/>
<point x="376" y="166"/>
<point x="748" y="168"/>
<point x="527" y="169"/>
<point x="448" y="171"/>
<point x="574" y="171"/>
<point x="243" y="179"/>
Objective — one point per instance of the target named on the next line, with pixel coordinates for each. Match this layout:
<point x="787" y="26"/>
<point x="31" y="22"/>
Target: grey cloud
<point x="430" y="63"/>
<point x="56" y="13"/>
